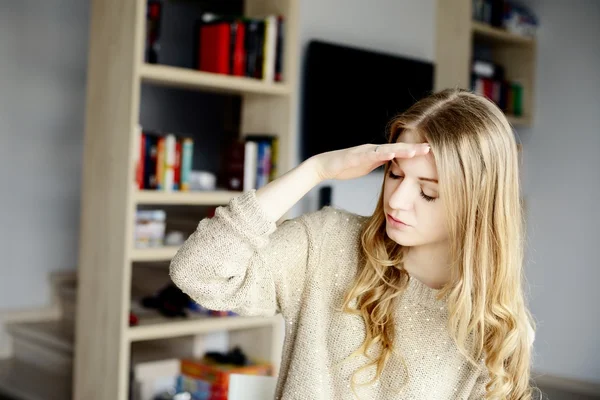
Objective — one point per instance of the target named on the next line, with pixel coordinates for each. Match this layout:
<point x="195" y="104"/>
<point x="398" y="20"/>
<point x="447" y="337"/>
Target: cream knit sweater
<point x="239" y="260"/>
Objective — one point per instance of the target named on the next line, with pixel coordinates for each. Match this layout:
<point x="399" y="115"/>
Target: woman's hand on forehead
<point x="405" y="149"/>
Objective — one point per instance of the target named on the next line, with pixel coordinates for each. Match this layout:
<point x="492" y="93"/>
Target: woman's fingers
<point x="401" y="149"/>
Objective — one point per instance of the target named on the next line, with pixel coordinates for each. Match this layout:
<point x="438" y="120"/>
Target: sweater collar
<point x="418" y="292"/>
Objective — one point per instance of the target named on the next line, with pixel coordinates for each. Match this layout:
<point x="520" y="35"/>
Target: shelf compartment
<point x="198" y="80"/>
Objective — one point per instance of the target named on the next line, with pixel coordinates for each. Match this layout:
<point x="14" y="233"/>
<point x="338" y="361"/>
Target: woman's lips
<point x="396" y="222"/>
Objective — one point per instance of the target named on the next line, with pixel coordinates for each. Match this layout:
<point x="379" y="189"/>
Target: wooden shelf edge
<point x="524" y="121"/>
<point x="195" y="326"/>
<point x="499" y="35"/>
<point x="208" y="198"/>
<point x="192" y="79"/>
<point x="153" y="254"/>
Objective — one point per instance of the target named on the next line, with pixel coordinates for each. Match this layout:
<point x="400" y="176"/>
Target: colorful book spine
<point x="266" y="165"/>
<point x="506" y="94"/>
<point x="263" y="160"/>
<point x="160" y="163"/>
<point x="177" y="181"/>
<point x="273" y="155"/>
<point x="168" y="181"/>
<point x="187" y="151"/>
<point x="274" y="158"/>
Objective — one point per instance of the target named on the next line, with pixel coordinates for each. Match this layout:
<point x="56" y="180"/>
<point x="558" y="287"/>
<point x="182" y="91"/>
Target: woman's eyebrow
<point x="419" y="178"/>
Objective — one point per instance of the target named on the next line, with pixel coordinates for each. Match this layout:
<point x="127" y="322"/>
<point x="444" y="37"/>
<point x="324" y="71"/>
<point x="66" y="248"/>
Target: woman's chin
<point x="401" y="237"/>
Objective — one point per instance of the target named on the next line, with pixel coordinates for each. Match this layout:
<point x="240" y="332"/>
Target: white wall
<point x="562" y="183"/>
<point x="43" y="59"/>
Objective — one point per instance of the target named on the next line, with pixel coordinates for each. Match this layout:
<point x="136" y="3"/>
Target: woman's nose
<point x="402" y="198"/>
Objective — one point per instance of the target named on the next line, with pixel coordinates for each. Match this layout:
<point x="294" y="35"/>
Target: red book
<point x="177" y="167"/>
<point x="239" y="51"/>
<point x="214" y="51"/>
<point x="488" y="88"/>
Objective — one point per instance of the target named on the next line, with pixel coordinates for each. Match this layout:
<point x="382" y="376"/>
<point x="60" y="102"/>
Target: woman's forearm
<point x="279" y="196"/>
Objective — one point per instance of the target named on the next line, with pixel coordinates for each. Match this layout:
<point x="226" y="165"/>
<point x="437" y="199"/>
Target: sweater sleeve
<point x="240" y="261"/>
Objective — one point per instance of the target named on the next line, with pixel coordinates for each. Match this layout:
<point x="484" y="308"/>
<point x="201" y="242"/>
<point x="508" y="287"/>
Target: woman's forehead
<point x="419" y="166"/>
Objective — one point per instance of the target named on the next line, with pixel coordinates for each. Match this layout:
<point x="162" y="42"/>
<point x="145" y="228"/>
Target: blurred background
<point x="123" y="123"/>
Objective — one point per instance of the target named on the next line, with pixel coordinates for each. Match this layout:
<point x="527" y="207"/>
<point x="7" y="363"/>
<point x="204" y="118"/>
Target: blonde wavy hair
<point x="478" y="163"/>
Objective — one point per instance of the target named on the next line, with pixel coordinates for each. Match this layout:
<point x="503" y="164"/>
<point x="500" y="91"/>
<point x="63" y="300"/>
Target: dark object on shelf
<point x="489" y="11"/>
<point x="153" y="22"/>
<point x="133" y="319"/>
<point x="520" y="20"/>
<point x="324" y="196"/>
<point x="231" y="171"/>
<point x="235" y="357"/>
<point x="169" y="301"/>
<point x="505" y="14"/>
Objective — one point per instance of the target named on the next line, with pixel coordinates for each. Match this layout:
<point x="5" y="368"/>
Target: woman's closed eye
<point x="394" y="176"/>
<point x="423" y="195"/>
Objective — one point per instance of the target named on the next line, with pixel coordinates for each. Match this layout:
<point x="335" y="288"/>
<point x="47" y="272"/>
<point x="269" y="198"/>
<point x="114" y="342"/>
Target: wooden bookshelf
<point x="116" y="73"/>
<point x="456" y="34"/>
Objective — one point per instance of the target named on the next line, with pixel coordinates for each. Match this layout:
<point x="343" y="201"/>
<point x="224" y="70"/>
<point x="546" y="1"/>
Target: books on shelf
<point x="250" y="163"/>
<point x="488" y="79"/>
<point x="241" y="46"/>
<point x="163" y="162"/>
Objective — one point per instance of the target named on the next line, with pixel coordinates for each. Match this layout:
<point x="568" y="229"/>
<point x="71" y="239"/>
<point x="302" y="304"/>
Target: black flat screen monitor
<point x="350" y="94"/>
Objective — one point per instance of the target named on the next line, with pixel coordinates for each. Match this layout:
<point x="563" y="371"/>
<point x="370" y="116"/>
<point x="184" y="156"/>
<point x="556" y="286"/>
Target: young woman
<point x="421" y="300"/>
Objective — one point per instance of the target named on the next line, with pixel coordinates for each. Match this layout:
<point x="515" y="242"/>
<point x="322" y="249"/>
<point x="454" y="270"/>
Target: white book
<point x="270" y="48"/>
<point x="250" y="165"/>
